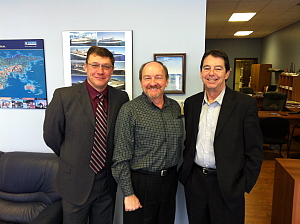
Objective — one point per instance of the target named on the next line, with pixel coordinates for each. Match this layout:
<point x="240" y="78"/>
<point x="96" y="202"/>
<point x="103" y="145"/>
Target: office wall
<point x="169" y="26"/>
<point x="158" y="27"/>
<point x="281" y="48"/>
<point x="236" y="48"/>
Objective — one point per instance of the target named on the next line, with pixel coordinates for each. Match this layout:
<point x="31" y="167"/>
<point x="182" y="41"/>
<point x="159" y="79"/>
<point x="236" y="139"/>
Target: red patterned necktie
<point x="98" y="157"/>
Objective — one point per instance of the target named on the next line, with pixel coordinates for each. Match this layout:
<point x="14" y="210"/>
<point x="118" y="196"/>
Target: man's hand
<point x="132" y="203"/>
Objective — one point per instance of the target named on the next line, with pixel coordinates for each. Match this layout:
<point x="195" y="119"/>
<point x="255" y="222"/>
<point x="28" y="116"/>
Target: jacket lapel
<point x="196" y="110"/>
<point x="227" y="107"/>
<point x="84" y="99"/>
<point x="111" y="107"/>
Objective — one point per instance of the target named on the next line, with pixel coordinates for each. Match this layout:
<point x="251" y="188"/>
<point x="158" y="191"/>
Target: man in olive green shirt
<point x="148" y="144"/>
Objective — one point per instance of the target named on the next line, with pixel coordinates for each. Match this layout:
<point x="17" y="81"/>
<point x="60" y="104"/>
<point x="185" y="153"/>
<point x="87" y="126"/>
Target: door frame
<point x="235" y="60"/>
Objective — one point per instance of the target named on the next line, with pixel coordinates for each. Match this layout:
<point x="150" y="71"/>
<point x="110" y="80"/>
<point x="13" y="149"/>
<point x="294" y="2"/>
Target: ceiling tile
<point x="221" y="7"/>
<point x="290" y="15"/>
<point x="218" y="17"/>
<point x="271" y="16"/>
<point x="250" y="6"/>
<point x="278" y="6"/>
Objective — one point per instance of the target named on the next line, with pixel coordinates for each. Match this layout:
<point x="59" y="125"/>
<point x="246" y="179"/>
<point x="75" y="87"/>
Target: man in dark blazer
<point x="69" y="129"/>
<point x="223" y="147"/>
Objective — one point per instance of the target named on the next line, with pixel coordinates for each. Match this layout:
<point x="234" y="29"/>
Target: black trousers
<point x="157" y="195"/>
<point x="99" y="207"/>
<point x="205" y="203"/>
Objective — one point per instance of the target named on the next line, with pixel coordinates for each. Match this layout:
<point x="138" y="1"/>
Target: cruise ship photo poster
<point x="76" y="45"/>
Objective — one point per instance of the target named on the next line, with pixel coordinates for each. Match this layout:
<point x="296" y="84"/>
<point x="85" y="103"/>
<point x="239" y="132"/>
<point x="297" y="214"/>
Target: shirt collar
<point x="219" y="99"/>
<point x="166" y="100"/>
<point x="94" y="93"/>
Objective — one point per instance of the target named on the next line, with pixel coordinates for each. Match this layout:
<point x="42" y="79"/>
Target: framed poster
<point x="22" y="74"/>
<point x="176" y="68"/>
<point x="76" y="45"/>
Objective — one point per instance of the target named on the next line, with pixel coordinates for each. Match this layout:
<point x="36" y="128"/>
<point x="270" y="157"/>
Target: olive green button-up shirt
<point x="146" y="138"/>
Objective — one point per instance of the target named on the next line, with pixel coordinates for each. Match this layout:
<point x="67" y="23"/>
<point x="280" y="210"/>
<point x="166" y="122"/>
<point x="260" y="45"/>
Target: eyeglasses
<point x="105" y="67"/>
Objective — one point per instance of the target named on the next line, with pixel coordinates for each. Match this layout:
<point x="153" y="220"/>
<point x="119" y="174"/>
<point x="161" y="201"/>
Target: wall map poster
<point x="119" y="43"/>
<point x="22" y="74"/>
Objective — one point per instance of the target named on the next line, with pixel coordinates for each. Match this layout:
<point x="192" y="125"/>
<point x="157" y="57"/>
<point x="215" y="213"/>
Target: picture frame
<point x="176" y="65"/>
<point x="76" y="45"/>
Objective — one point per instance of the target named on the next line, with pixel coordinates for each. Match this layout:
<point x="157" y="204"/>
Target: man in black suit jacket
<point x="69" y="129"/>
<point x="223" y="148"/>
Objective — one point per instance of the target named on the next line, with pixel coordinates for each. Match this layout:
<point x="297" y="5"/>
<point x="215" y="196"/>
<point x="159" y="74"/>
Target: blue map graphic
<point x="22" y="74"/>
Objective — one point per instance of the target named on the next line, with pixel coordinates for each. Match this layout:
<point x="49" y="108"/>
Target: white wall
<point x="159" y="26"/>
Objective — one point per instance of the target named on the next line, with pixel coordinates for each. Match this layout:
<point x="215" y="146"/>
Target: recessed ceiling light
<point x="238" y="17"/>
<point x="243" y="33"/>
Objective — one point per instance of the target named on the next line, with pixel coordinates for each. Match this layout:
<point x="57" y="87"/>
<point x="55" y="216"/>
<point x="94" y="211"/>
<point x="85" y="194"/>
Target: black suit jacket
<point x="69" y="131"/>
<point x="238" y="143"/>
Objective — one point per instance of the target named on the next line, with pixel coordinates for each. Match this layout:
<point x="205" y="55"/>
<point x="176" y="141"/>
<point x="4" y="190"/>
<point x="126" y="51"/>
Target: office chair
<point x="247" y="90"/>
<point x="271" y="88"/>
<point x="274" y="101"/>
<point x="296" y="138"/>
<point x="275" y="130"/>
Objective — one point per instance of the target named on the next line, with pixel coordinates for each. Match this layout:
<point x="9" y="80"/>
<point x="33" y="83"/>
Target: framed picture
<point x="76" y="45"/>
<point x="176" y="68"/>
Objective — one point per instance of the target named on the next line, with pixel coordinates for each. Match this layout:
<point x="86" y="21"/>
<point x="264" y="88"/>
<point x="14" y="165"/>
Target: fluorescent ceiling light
<point x="238" y="17"/>
<point x="243" y="33"/>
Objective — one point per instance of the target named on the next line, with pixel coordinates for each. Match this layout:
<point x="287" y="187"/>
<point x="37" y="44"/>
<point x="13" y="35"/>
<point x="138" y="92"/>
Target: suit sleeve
<point x="54" y="123"/>
<point x="253" y="146"/>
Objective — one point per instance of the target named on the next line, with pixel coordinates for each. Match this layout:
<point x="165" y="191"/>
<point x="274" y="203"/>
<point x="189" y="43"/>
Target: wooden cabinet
<point x="260" y="76"/>
<point x="290" y="85"/>
<point x="286" y="192"/>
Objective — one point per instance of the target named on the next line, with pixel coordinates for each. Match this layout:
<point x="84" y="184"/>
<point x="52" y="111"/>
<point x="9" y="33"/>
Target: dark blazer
<point x="238" y="143"/>
<point x="69" y="131"/>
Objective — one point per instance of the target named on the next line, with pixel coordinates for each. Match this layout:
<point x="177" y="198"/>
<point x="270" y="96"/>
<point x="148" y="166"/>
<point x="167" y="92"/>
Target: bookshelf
<point x="290" y="85"/>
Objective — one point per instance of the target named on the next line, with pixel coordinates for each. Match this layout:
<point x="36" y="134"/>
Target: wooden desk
<point x="292" y="105"/>
<point x="284" y="114"/>
<point x="286" y="192"/>
<point x="293" y="118"/>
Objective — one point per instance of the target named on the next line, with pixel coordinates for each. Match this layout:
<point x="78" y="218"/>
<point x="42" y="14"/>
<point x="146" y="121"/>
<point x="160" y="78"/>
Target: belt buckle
<point x="163" y="173"/>
<point x="205" y="171"/>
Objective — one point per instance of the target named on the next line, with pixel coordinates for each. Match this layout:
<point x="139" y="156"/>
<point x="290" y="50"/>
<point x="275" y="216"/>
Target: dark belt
<point x="206" y="171"/>
<point x="161" y="173"/>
